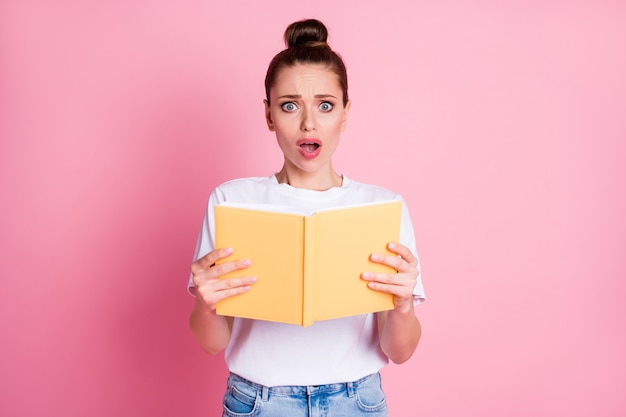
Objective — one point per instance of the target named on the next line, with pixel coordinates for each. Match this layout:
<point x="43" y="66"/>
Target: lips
<point x="309" y="147"/>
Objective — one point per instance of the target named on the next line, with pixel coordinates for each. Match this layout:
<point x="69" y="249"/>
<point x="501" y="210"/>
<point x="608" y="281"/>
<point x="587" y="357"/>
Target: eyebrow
<point x="296" y="96"/>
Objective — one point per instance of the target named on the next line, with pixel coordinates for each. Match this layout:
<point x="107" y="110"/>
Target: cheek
<point x="285" y="123"/>
<point x="337" y="125"/>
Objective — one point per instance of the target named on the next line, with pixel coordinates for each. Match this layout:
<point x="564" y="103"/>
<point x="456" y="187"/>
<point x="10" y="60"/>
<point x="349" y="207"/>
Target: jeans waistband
<point x="304" y="390"/>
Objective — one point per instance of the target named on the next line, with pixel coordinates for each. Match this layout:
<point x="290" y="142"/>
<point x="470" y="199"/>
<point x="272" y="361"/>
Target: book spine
<point x="309" y="290"/>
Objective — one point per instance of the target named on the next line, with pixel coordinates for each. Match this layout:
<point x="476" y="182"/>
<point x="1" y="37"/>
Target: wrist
<point x="204" y="308"/>
<point x="404" y="309"/>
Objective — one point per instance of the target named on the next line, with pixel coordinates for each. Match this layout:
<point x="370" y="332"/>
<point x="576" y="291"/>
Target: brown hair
<point x="306" y="44"/>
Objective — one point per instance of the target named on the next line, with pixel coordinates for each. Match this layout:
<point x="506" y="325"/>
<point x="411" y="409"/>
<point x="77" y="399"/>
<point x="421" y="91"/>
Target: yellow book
<point x="308" y="265"/>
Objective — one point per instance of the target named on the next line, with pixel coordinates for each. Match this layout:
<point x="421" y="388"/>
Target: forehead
<point x="304" y="79"/>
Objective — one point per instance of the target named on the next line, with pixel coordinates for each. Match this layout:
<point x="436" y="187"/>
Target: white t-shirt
<point x="330" y="351"/>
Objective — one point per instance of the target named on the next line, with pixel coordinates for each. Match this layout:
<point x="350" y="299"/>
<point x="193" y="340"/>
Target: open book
<point x="308" y="265"/>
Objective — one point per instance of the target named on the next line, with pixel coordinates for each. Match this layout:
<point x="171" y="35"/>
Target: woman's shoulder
<point x="242" y="188"/>
<point x="373" y="190"/>
<point x="246" y="182"/>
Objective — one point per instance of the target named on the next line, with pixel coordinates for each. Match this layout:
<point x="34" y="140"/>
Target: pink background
<point x="503" y="124"/>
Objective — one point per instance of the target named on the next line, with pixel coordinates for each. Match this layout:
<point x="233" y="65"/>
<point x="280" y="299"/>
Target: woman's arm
<point x="399" y="334"/>
<point x="399" y="329"/>
<point x="211" y="330"/>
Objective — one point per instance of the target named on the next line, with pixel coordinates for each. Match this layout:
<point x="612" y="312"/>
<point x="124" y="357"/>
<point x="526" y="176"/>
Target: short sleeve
<point x="407" y="238"/>
<point x="206" y="236"/>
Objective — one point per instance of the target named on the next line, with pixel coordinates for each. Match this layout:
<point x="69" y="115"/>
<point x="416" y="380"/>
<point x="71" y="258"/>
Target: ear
<point x="346" y="109"/>
<point x="268" y="116"/>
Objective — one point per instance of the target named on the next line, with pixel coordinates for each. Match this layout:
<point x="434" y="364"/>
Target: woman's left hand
<point x="400" y="284"/>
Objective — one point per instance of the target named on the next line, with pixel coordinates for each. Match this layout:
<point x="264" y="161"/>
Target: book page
<point x="344" y="242"/>
<point x="273" y="243"/>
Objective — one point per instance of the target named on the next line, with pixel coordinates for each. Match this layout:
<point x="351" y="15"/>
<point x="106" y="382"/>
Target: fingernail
<point x="375" y="257"/>
<point x="392" y="245"/>
<point x="246" y="262"/>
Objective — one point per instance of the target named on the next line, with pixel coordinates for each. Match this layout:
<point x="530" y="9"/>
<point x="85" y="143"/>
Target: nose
<point x="308" y="121"/>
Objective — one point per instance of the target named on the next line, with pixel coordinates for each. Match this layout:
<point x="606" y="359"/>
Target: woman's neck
<point x="316" y="181"/>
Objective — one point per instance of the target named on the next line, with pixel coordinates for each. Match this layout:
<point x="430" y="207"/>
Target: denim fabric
<point x="364" y="397"/>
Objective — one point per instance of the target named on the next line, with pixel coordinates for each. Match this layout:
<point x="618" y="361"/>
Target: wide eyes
<point x="290" y="106"/>
<point x="326" y="106"/>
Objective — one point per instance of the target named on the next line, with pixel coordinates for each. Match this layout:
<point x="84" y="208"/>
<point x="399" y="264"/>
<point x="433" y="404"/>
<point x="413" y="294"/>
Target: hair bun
<point x="306" y="33"/>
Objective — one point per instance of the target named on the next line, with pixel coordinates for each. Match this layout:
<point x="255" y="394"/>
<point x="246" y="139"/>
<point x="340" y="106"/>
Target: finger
<point x="224" y="268"/>
<point x="211" y="258"/>
<point x="217" y="285"/>
<point x="200" y="276"/>
<point x="397" y="280"/>
<point x="402" y="291"/>
<point x="214" y="291"/>
<point x="392" y="261"/>
<point x="402" y="251"/>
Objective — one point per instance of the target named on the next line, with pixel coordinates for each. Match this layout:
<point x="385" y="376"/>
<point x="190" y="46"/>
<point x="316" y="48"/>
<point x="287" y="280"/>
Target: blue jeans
<point x="364" y="397"/>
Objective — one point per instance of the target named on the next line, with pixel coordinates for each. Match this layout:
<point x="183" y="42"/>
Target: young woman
<point x="332" y="367"/>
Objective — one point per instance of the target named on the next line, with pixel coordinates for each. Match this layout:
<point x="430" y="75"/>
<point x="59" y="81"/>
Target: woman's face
<point x="307" y="114"/>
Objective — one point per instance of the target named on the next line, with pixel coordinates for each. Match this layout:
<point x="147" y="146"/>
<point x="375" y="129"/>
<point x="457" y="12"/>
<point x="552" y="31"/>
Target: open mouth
<point x="309" y="144"/>
<point x="310" y="147"/>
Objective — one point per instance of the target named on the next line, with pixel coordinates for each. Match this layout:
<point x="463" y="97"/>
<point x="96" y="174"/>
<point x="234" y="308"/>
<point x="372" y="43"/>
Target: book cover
<point x="308" y="265"/>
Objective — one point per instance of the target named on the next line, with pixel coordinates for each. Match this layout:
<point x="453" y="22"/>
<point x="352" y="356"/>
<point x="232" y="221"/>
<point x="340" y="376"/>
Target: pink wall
<point x="501" y="123"/>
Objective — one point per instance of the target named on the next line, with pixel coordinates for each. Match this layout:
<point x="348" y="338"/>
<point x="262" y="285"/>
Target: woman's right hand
<point x="206" y="278"/>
